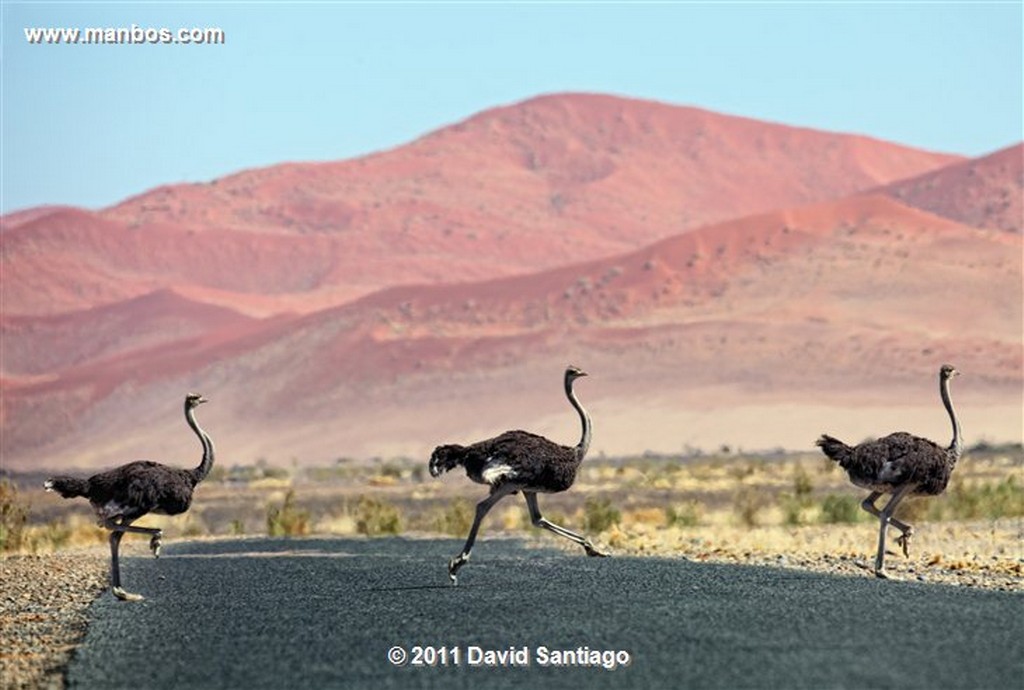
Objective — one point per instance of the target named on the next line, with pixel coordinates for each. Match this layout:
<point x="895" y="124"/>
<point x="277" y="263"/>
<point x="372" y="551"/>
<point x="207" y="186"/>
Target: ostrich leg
<point x="156" y="535"/>
<point x="906" y="530"/>
<point x="884" y="519"/>
<point x="540" y="521"/>
<point x="482" y="508"/>
<point x="115" y="570"/>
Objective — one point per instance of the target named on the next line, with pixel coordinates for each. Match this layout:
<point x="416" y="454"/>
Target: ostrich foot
<point x="454" y="565"/>
<point x="125" y="596"/>
<point x="878" y="571"/>
<point x="904" y="541"/>
<point x="155" y="543"/>
<point x="883" y="574"/>
<point x="591" y="551"/>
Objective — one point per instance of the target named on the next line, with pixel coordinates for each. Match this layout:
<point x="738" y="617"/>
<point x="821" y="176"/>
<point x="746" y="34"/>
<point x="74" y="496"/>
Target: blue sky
<point x="91" y="125"/>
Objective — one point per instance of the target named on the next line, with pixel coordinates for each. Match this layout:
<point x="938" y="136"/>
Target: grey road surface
<point x="326" y="613"/>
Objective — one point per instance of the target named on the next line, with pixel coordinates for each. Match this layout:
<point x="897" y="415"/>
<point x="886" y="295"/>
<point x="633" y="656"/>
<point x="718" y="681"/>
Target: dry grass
<point x="787" y="507"/>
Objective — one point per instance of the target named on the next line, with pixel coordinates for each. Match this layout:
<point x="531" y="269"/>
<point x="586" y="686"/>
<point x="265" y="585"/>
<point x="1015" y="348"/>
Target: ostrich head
<point x="572" y="373"/>
<point x="947" y="372"/>
<point x="443" y="459"/>
<point x="193" y="400"/>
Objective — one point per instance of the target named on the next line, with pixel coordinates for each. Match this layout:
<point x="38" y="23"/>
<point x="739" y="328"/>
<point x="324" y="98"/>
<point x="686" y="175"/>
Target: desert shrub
<point x="686" y="515"/>
<point x="52" y="536"/>
<point x="286" y="520"/>
<point x="374" y="516"/>
<point x="236" y="527"/>
<point x="73" y="530"/>
<point x="391" y="470"/>
<point x="971" y="501"/>
<point x="599" y="514"/>
<point x="194" y="527"/>
<point x="796" y="504"/>
<point x="840" y="508"/>
<point x="802" y="484"/>
<point x="965" y="500"/>
<point x="747" y="505"/>
<point x="916" y="509"/>
<point x="13" y="516"/>
<point x="455" y="519"/>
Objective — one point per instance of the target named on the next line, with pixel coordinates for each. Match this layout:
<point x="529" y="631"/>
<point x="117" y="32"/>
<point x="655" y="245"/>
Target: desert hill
<point x="986" y="192"/>
<point x="724" y="281"/>
<point x="513" y="190"/>
<point x="854" y="302"/>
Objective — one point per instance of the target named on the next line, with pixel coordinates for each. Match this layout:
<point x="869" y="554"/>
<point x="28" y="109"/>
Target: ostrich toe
<point x="125" y="596"/>
<point x="454" y="565"/>
<point x="904" y="541"/>
<point x="884" y="574"/>
<point x="155" y="544"/>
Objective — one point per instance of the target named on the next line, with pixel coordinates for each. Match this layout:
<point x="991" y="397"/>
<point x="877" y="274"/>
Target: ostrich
<point x="518" y="461"/>
<point x="901" y="465"/>
<point x="123" y="495"/>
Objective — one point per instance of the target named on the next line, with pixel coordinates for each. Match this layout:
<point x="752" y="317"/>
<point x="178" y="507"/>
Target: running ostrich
<point x="901" y="465"/>
<point x="123" y="495"/>
<point x="518" y="461"/>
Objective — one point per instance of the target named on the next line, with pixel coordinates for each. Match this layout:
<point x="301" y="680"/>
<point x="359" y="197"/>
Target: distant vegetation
<point x="612" y="496"/>
<point x="286" y="520"/>
<point x="13" y="517"/>
<point x="377" y="517"/>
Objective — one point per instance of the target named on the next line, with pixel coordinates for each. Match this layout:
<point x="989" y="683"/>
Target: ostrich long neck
<point x="956" y="445"/>
<point x="199" y="473"/>
<point x="584" y="444"/>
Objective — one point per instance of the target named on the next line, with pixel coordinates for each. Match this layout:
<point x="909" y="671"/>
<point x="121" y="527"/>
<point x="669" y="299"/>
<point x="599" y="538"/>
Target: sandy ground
<point x="985" y="554"/>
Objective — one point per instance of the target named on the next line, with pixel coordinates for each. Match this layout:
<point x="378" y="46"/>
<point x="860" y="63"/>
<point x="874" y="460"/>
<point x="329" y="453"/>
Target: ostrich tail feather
<point x="833" y="448"/>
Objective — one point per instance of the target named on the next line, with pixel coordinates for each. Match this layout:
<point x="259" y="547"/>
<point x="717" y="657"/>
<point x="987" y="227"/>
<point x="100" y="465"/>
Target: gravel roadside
<point x="43" y="603"/>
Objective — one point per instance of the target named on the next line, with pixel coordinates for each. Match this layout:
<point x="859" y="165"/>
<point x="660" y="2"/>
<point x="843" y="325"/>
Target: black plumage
<point x="122" y="495"/>
<point x="533" y="462"/>
<point x="901" y="465"/>
<point x="519" y="461"/>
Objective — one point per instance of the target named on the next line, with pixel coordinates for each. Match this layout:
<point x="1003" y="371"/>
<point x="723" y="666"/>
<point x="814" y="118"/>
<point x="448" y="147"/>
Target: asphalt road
<point x="324" y="613"/>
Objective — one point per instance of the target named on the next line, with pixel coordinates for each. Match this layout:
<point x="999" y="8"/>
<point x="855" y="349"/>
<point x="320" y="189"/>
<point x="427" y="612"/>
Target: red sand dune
<point x="825" y="304"/>
<point x="691" y="261"/>
<point x="984" y="192"/>
<point x="551" y="181"/>
<point x="48" y="345"/>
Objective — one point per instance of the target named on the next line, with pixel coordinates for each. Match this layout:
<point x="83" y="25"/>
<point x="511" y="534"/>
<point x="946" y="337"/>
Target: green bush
<point x="991" y="500"/>
<point x="747" y="504"/>
<point x="840" y="508"/>
<point x="286" y="520"/>
<point x="968" y="501"/>
<point x="374" y="516"/>
<point x="599" y="514"/>
<point x="686" y="515"/>
<point x="456" y="519"/>
<point x="13" y="516"/>
<point x="794" y="505"/>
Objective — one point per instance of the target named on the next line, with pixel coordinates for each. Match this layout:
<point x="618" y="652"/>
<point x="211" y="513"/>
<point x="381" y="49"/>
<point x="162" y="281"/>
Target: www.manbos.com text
<point x="124" y="35"/>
